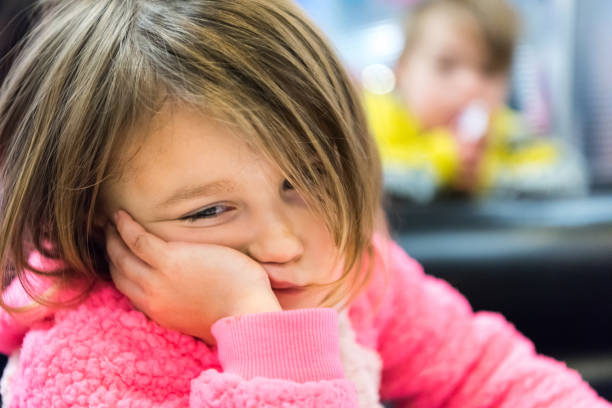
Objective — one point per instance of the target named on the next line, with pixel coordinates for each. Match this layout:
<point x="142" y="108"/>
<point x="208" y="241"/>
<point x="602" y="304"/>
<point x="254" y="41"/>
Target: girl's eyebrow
<point x="190" y="192"/>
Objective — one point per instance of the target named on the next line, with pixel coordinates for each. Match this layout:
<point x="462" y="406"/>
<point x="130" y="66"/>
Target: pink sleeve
<point x="117" y="357"/>
<point x="14" y="327"/>
<point x="11" y="331"/>
<point x="288" y="358"/>
<point x="437" y="352"/>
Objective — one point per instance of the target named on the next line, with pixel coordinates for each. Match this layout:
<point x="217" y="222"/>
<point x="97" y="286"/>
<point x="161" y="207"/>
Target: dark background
<point x="545" y="265"/>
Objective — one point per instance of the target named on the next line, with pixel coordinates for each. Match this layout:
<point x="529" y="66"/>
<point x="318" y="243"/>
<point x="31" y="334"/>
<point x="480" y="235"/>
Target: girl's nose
<point x="469" y="85"/>
<point x="276" y="243"/>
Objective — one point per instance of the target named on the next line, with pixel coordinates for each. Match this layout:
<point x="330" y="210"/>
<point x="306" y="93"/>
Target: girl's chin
<point x="291" y="299"/>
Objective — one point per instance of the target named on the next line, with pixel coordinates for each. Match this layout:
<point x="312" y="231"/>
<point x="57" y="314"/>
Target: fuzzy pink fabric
<point x="435" y="351"/>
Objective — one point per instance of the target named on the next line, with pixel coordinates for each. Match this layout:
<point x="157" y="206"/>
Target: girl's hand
<point x="183" y="286"/>
<point x="471" y="133"/>
<point x="471" y="155"/>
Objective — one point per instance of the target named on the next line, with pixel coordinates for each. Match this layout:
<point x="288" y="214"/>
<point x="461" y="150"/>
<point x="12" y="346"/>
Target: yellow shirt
<point x="404" y="144"/>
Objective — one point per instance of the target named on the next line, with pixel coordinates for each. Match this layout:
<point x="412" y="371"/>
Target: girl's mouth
<point x="288" y="291"/>
<point x="285" y="287"/>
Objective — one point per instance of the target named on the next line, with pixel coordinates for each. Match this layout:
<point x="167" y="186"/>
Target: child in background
<point x="447" y="118"/>
<point x="212" y="159"/>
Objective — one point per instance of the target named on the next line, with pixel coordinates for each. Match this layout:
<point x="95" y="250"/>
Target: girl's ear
<point x="102" y="215"/>
<point x="400" y="67"/>
<point x="100" y="221"/>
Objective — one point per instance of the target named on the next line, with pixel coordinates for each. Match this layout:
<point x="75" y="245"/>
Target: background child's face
<point x="190" y="178"/>
<point x="446" y="68"/>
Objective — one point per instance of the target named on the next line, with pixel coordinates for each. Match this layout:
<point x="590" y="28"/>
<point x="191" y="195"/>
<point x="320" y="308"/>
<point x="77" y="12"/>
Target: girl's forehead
<point x="444" y="33"/>
<point x="443" y="22"/>
<point x="186" y="151"/>
<point x="181" y="137"/>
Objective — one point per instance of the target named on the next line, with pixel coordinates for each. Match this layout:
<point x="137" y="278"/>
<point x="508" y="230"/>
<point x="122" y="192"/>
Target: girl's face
<point x="446" y="69"/>
<point x="193" y="179"/>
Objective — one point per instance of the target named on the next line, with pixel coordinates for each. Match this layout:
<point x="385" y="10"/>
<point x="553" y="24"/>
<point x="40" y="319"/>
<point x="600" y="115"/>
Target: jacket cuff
<point x="297" y="345"/>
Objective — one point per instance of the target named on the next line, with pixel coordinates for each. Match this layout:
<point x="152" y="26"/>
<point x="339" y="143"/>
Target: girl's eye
<point x="287" y="185"/>
<point x="210" y="212"/>
<point x="446" y="64"/>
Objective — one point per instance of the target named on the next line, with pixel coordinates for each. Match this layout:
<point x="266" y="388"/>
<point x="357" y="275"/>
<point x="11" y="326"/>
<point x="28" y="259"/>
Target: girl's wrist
<point x="256" y="304"/>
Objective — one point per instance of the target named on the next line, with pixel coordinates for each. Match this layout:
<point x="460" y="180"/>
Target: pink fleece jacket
<point x="435" y="352"/>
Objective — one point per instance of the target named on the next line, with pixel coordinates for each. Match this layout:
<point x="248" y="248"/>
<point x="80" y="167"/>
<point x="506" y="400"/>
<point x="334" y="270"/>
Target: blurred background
<point x="532" y="238"/>
<point x="498" y="164"/>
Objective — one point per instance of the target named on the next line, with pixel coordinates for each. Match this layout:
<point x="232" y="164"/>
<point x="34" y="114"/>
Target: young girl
<point x="212" y="158"/>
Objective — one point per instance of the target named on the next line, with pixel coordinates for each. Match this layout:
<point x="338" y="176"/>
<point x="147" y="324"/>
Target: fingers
<point x="127" y="271"/>
<point x="129" y="288"/>
<point x="143" y="244"/>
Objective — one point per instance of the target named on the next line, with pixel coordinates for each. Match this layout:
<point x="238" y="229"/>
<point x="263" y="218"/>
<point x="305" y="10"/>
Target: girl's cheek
<point x="337" y="271"/>
<point x="232" y="236"/>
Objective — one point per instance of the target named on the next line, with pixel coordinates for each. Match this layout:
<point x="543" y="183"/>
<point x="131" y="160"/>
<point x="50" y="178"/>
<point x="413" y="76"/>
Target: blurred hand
<point x="470" y="159"/>
<point x="471" y="132"/>
<point x="184" y="286"/>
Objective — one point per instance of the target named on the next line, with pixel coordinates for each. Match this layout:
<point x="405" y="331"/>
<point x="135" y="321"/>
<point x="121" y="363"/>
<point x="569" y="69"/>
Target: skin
<point x="444" y="70"/>
<point x="238" y="240"/>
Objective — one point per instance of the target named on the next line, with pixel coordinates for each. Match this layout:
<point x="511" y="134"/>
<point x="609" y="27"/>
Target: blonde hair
<point x="90" y="70"/>
<point x="496" y="20"/>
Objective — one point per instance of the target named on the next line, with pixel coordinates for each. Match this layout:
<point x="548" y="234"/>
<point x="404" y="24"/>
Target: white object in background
<point x="473" y="122"/>
<point x="378" y="79"/>
<point x="417" y="183"/>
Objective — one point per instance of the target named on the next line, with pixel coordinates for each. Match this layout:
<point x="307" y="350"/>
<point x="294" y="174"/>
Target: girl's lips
<point x="288" y="291"/>
<point x="284" y="286"/>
